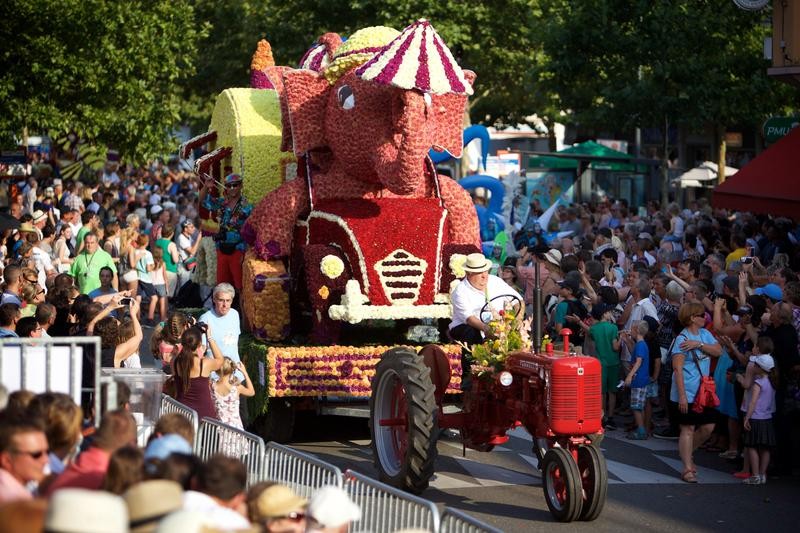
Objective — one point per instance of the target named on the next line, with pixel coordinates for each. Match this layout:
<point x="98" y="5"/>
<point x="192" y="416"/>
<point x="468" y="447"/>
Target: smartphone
<point x="126" y="301"/>
<point x="747" y="260"/>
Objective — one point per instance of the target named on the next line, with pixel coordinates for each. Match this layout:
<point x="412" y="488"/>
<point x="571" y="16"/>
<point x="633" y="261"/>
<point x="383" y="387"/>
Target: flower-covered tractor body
<point x="368" y="196"/>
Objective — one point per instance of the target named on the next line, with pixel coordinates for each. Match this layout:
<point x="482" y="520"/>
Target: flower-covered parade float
<point x="354" y="235"/>
<point x="354" y="244"/>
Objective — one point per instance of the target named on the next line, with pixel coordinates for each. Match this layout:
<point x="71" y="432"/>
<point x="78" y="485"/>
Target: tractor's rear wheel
<point x="402" y="420"/>
<point x="594" y="479"/>
<point x="561" y="481"/>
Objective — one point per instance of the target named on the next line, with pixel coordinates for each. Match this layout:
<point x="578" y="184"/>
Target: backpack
<point x="188" y="296"/>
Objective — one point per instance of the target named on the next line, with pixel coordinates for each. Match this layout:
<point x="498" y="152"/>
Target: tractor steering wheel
<point x="486" y="314"/>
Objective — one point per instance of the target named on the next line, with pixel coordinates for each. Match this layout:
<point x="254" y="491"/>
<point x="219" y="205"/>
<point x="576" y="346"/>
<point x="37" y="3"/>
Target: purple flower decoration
<point x="248" y="234"/>
<point x="273" y="249"/>
<point x="259" y="80"/>
<point x="346" y="369"/>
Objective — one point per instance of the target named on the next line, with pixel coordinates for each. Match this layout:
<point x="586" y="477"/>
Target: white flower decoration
<point x="331" y="266"/>
<point x="457" y="262"/>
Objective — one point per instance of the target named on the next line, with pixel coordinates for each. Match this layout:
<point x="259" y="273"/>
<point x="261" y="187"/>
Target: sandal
<point x="689" y="477"/>
<point x="729" y="454"/>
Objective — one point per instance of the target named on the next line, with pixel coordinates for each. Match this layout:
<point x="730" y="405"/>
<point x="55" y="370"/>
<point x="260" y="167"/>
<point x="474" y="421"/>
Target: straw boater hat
<point x="553" y="257"/>
<point x="86" y="511"/>
<point x="27" y="227"/>
<point x="150" y="501"/>
<point x="279" y="500"/>
<point x="477" y="263"/>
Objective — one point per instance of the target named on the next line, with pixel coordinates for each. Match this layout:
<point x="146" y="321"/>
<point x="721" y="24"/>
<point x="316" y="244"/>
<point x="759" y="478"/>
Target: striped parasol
<point x="417" y="59"/>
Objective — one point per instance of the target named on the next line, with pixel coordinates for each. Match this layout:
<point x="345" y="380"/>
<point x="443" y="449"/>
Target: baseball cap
<point x="163" y="447"/>
<point x="232" y="178"/>
<point x="763" y="360"/>
<point x="570" y="284"/>
<point x="771" y="291"/>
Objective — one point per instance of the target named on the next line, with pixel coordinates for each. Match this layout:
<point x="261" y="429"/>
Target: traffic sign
<point x="777" y="127"/>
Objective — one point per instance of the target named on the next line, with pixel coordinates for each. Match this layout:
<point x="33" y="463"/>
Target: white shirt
<point x="43" y="265"/>
<point x="641" y="309"/>
<point x="468" y="301"/>
<point x="224" y="519"/>
<point x="184" y="244"/>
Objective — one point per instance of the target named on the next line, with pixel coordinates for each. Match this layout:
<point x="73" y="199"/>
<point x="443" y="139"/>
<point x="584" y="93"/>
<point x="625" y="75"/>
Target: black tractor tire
<point x="277" y="424"/>
<point x="594" y="479"/>
<point x="404" y="452"/>
<point x="561" y="482"/>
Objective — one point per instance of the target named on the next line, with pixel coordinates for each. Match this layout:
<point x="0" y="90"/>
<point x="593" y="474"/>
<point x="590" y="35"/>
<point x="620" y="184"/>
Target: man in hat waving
<point x="234" y="210"/>
<point x="469" y="297"/>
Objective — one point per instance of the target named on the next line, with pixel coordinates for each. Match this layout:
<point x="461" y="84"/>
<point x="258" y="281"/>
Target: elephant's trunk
<point x="402" y="159"/>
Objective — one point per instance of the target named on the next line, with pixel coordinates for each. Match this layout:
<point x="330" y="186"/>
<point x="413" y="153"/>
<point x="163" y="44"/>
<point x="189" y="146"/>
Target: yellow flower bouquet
<point x="508" y="333"/>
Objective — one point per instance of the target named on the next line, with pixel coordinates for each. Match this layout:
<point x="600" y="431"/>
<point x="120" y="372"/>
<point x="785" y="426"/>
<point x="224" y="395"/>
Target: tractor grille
<point x="401" y="276"/>
<point x="575" y="403"/>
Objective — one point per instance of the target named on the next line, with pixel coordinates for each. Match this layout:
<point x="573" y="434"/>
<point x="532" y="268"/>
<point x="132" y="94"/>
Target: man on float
<point x="234" y="210"/>
<point x="470" y="296"/>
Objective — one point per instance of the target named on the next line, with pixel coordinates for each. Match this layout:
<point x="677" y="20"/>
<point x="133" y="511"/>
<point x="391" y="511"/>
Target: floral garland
<point x="336" y="370"/>
<point x="265" y="298"/>
<point x="249" y="121"/>
<point x="508" y="333"/>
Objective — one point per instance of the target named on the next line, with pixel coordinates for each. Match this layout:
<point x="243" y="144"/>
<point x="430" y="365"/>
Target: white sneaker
<point x="754" y="480"/>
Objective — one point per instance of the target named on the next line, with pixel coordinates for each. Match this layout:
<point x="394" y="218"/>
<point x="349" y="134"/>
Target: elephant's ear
<point x="449" y="113"/>
<point x="275" y="76"/>
<point x="306" y="97"/>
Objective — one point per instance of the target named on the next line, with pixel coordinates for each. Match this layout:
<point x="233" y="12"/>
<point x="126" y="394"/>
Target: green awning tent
<point x="588" y="148"/>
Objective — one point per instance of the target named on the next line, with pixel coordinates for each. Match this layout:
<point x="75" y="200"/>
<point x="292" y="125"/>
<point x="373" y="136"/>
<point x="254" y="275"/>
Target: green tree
<point x="109" y="70"/>
<point x="616" y="64"/>
<point x="494" y="38"/>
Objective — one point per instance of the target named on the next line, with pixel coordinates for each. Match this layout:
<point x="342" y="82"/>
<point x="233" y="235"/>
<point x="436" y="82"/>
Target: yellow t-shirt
<point x="735" y="255"/>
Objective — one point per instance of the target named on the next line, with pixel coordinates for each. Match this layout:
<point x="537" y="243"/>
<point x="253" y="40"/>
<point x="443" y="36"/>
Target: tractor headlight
<point x="505" y="378"/>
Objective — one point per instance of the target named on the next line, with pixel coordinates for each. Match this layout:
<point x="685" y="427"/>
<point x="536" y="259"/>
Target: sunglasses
<point x="233" y="185"/>
<point x="34" y="455"/>
<point x="294" y="517"/>
<point x="31" y="280"/>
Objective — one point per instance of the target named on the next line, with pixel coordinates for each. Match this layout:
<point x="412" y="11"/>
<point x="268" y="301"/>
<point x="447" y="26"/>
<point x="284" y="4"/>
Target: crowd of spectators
<point x="55" y="478"/>
<point x="663" y="297"/>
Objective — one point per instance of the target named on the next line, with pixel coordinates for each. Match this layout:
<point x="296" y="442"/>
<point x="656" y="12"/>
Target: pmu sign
<point x="777" y="127"/>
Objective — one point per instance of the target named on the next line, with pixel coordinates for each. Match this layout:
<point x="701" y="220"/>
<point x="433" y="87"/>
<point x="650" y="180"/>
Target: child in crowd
<point x="144" y="266"/>
<point x="158" y="276"/>
<point x="758" y="405"/>
<point x="227" y="390"/>
<point x="165" y="342"/>
<point x="126" y="331"/>
<point x="654" y="361"/>
<point x="605" y="335"/>
<point x="639" y="376"/>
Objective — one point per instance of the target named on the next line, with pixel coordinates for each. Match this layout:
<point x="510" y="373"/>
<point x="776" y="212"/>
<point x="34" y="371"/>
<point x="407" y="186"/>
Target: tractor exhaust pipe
<point x="537" y="309"/>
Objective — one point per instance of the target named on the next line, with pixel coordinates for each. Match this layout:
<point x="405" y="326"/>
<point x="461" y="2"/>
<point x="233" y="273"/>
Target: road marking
<point x="651" y="444"/>
<point x="443" y="482"/>
<point x="633" y="474"/>
<point x="494" y="476"/>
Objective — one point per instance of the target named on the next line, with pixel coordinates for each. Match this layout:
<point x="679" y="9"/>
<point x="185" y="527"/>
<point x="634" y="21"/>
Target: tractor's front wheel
<point x="594" y="479"/>
<point x="402" y="420"/>
<point x="561" y="481"/>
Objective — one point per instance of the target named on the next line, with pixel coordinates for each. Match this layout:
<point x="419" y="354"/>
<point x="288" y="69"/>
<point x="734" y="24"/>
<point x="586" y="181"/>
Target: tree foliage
<point x="620" y="64"/>
<point x="109" y="70"/>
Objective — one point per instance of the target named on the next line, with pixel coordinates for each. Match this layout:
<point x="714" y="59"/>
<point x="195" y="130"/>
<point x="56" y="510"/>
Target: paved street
<point x="503" y="487"/>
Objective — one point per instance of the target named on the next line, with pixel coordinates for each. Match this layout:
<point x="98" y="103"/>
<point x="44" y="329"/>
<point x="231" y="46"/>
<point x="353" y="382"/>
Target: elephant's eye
<point x="347" y="100"/>
<point x="428" y="99"/>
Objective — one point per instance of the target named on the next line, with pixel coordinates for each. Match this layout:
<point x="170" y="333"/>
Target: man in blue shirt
<point x="9" y="315"/>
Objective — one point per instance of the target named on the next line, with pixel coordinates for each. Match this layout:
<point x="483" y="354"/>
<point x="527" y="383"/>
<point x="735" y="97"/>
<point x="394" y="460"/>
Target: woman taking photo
<point x="691" y="360"/>
<point x="191" y="370"/>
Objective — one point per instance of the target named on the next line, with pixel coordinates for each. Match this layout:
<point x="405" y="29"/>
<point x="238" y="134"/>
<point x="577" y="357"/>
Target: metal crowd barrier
<point x="50" y="364"/>
<point x="302" y="472"/>
<point x="171" y="405"/>
<point x="455" y="521"/>
<point x="215" y="437"/>
<point x="385" y="508"/>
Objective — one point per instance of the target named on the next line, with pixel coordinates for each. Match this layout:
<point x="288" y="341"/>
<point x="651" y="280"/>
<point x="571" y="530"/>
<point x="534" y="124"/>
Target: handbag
<point x="707" y="391"/>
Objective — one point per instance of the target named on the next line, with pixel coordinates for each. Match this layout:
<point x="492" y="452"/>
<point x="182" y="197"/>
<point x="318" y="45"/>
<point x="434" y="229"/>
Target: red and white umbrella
<point x="417" y="59"/>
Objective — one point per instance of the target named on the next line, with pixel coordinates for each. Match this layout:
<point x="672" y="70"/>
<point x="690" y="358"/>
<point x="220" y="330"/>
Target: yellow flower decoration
<point x="249" y="121"/>
<point x="331" y="266"/>
<point x="324" y="292"/>
<point x="355" y="50"/>
<point x="457" y="262"/>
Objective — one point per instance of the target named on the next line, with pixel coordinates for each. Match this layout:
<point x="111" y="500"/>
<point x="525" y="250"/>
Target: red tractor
<point x="555" y="396"/>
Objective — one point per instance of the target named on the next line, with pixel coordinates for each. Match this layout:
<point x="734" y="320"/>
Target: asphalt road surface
<point x="503" y="487"/>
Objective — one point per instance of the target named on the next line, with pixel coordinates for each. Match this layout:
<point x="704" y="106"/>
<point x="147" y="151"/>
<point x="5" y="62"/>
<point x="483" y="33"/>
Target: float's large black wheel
<point x="277" y="424"/>
<point x="402" y="420"/>
<point x="594" y="480"/>
<point x="562" y="485"/>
